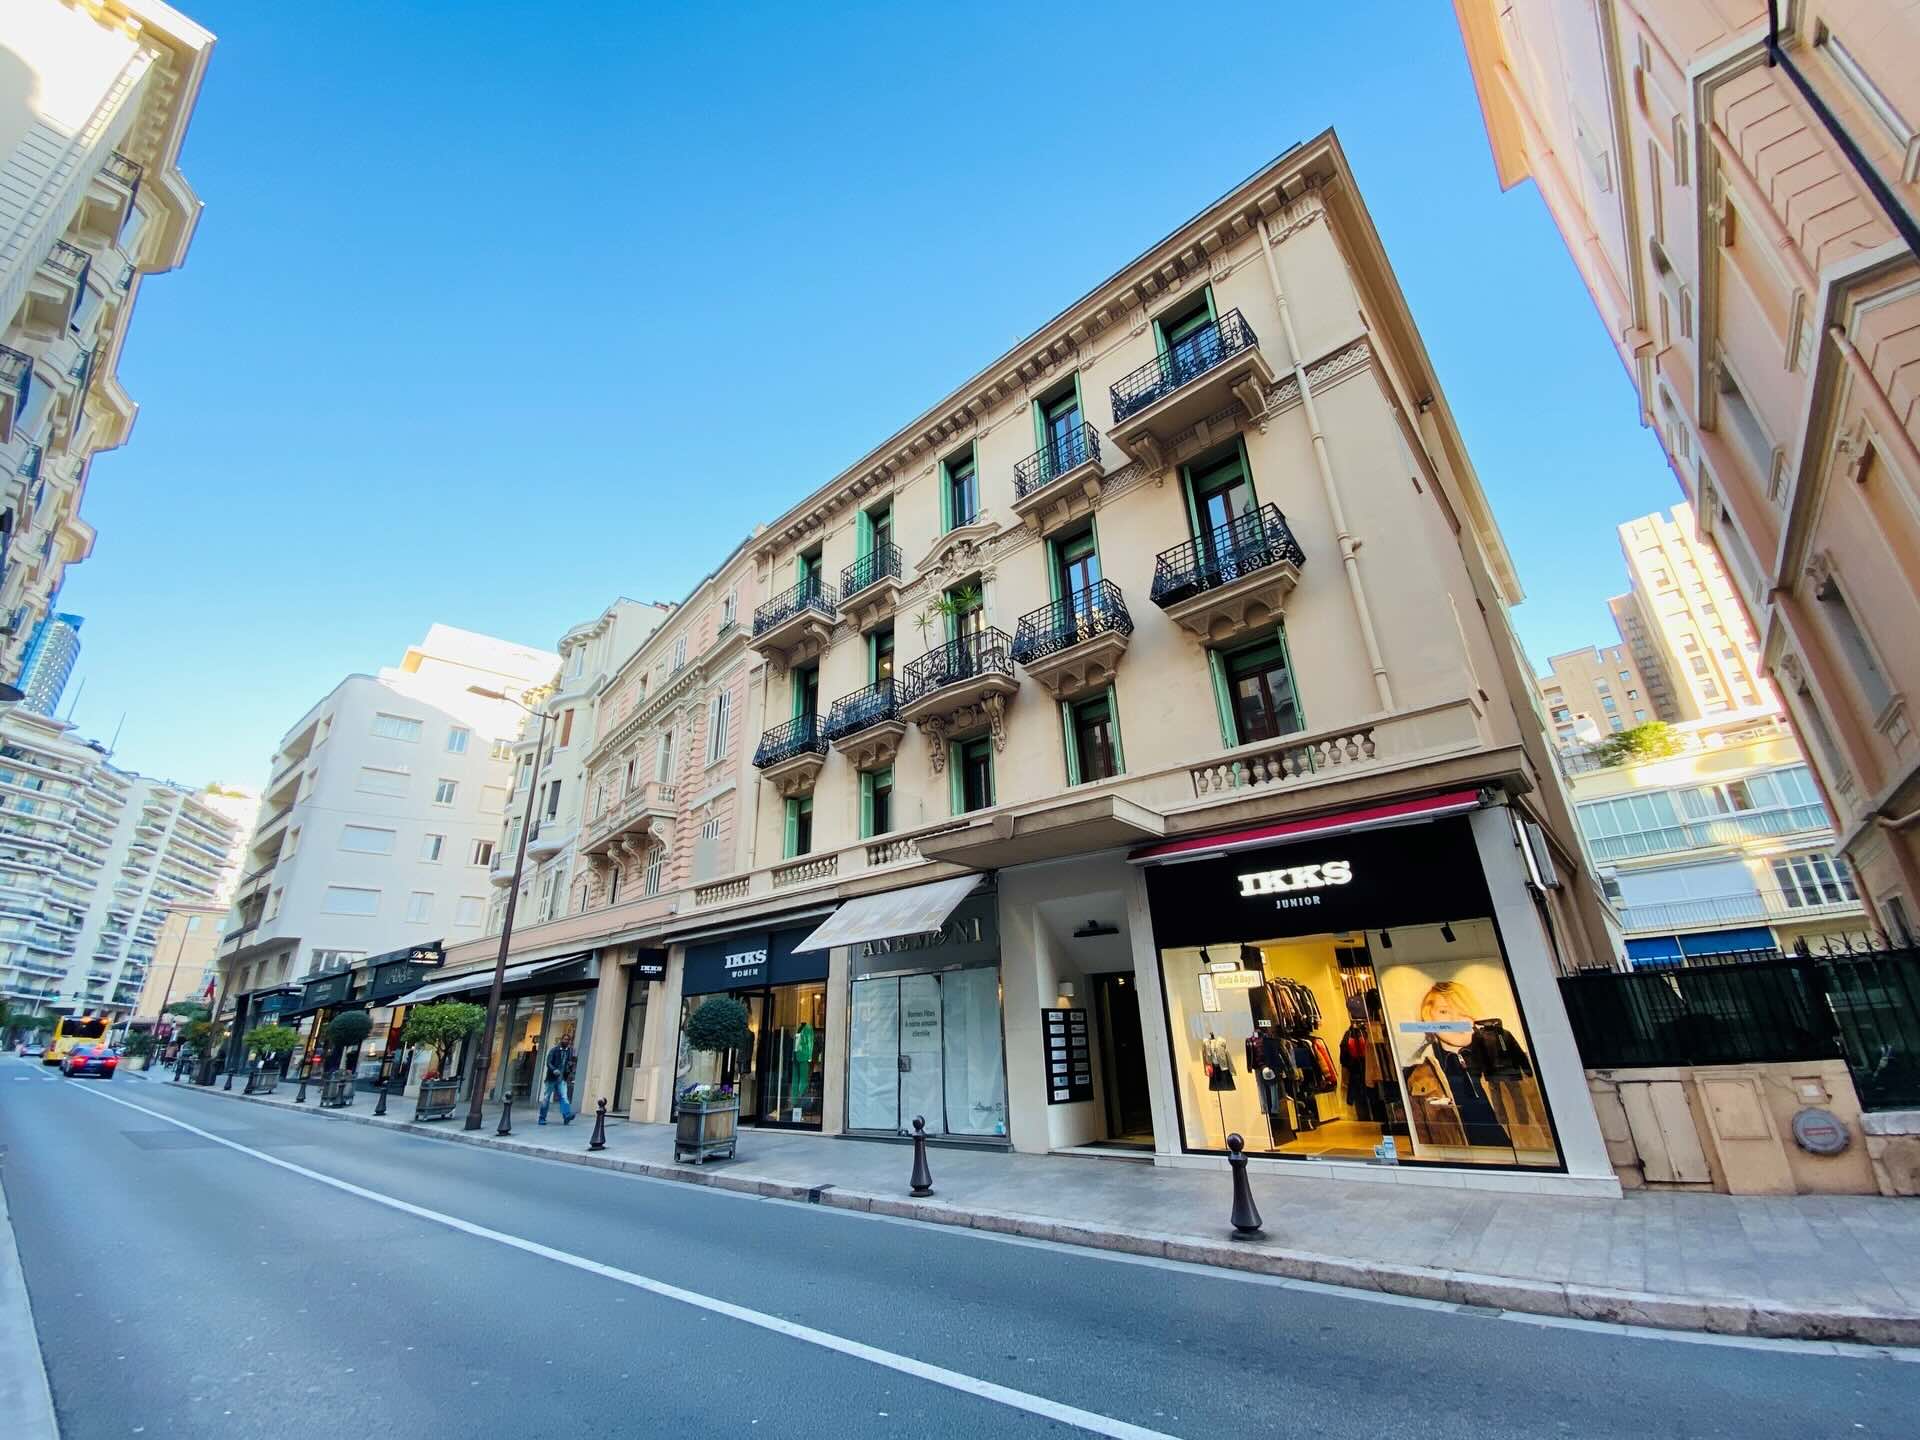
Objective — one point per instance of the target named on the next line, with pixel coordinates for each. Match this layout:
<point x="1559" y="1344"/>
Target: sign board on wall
<point x="1069" y="1056"/>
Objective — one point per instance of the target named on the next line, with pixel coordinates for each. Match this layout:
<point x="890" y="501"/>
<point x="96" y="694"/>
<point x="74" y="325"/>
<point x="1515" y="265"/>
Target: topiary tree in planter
<point x="718" y="1027"/>
<point x="346" y="1030"/>
<point x="272" y="1040"/>
<point x="442" y="1026"/>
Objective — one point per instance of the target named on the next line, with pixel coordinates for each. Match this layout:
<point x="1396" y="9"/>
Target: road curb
<point x="24" y="1391"/>
<point x="1718" y="1315"/>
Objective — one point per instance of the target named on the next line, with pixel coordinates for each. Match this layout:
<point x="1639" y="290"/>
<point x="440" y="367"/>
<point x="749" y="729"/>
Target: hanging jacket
<point x="1495" y="1054"/>
<point x="1323" y="1060"/>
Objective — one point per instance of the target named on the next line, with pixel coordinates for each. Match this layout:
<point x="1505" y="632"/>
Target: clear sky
<point x="497" y="311"/>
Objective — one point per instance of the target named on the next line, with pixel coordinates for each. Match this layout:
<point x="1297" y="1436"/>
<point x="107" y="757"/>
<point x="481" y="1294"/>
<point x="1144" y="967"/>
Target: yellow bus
<point x="72" y="1030"/>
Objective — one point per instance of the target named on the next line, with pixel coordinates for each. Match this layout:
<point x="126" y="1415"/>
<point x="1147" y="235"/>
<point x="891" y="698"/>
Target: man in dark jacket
<point x="558" y="1084"/>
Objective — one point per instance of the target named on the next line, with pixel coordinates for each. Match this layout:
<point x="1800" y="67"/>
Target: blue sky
<point x="487" y="314"/>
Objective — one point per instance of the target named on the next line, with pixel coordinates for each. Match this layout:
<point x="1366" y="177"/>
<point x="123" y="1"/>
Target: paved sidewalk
<point x="1804" y="1267"/>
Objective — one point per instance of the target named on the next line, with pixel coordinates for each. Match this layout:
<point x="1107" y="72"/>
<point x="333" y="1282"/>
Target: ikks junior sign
<point x="1297" y="880"/>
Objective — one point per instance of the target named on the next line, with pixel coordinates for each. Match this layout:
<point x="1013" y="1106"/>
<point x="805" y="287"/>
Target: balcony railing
<point x="69" y="260"/>
<point x="1098" y="610"/>
<point x="1757" y="906"/>
<point x="1258" y="539"/>
<point x="883" y="563"/>
<point x="801" y="735"/>
<point x="16" y="373"/>
<point x="853" y="713"/>
<point x="128" y="172"/>
<point x="1060" y="455"/>
<point x="815" y="595"/>
<point x="1177" y="364"/>
<point x="985" y="652"/>
<point x="1705" y="832"/>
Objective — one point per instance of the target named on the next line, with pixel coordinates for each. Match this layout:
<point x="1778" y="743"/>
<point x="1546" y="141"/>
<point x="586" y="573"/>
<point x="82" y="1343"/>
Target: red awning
<point x="1206" y="847"/>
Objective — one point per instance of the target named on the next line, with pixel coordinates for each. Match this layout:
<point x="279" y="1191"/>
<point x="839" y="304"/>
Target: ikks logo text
<point x="746" y="959"/>
<point x="1291" y="884"/>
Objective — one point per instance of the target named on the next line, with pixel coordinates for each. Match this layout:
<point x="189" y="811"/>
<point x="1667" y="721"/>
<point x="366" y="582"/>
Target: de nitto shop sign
<point x="1417" y="874"/>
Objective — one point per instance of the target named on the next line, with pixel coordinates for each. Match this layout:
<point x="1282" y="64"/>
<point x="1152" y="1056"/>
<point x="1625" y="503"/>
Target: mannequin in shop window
<point x="1472" y="1083"/>
<point x="1218" y="1060"/>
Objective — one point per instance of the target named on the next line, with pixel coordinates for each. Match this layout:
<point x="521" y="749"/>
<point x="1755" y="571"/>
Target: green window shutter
<point x="799" y="569"/>
<point x="1193" y="504"/>
<point x="1053" y="570"/>
<point x="1246" y="469"/>
<point x="792" y="845"/>
<point x="1071" y="742"/>
<point x="866" y="805"/>
<point x="1077" y="401"/>
<point x="1299" y="703"/>
<point x="863" y="534"/>
<point x="873" y="657"/>
<point x="1223" y="699"/>
<point x="946" y="499"/>
<point x="1212" y="314"/>
<point x="1039" y="425"/>
<point x="1113" y="719"/>
<point x="956" y="786"/>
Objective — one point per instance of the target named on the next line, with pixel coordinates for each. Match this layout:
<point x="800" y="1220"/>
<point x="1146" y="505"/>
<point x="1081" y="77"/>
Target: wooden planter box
<point x="706" y="1130"/>
<point x="336" y="1091"/>
<point x="261" y="1080"/>
<point x="437" y="1099"/>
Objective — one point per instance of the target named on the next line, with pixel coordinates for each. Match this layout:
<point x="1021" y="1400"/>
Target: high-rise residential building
<point x="91" y="857"/>
<point x="1143" y="707"/>
<point x="1593" y="692"/>
<point x="49" y="661"/>
<point x="1720" y="846"/>
<point x="590" y="653"/>
<point x="382" y="810"/>
<point x="96" y="99"/>
<point x="1679" y="618"/>
<point x="1743" y="203"/>
<point x="1693" y="618"/>
<point x="186" y="961"/>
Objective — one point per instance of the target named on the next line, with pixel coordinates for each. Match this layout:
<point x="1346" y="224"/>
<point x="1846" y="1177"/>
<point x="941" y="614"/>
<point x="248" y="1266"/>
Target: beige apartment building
<point x="1740" y="203"/>
<point x="1593" y="692"/>
<point x="94" y="104"/>
<point x="1130" y="749"/>
<point x="186" y="958"/>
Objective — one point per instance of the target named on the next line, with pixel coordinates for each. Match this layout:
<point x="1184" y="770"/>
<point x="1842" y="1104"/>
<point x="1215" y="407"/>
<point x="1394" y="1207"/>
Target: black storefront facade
<point x="541" y="1003"/>
<point x="780" y="1076"/>
<point x="1344" y="993"/>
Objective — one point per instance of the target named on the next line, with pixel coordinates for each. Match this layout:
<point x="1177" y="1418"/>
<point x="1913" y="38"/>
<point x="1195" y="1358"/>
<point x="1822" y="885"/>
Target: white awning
<point x="919" y="910"/>
<point x="478" y="980"/>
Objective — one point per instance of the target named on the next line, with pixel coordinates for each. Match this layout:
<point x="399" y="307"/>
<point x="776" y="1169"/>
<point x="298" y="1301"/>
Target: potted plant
<point x="709" y="1115"/>
<point x="344" y="1032"/>
<point x="138" y="1047"/>
<point x="270" y="1042"/>
<point x="439" y="1027"/>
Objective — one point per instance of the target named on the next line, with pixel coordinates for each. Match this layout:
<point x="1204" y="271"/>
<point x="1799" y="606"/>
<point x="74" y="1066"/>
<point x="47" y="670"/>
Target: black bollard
<point x="1246" y="1215"/>
<point x="922" y="1178"/>
<point x="598" y="1141"/>
<point x="229" y="1084"/>
<point x="177" y="1068"/>
<point x="506" y="1117"/>
<point x="300" y="1095"/>
<point x="380" y="1105"/>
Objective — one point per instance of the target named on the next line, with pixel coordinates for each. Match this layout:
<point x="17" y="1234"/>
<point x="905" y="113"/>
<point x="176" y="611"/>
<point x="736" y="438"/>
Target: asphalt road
<point x="183" y="1287"/>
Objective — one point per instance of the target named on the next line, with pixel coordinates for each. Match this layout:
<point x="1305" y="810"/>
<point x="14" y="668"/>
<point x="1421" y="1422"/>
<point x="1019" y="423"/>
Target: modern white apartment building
<point x="1721" y="846"/>
<point x="590" y="654"/>
<point x="91" y="858"/>
<point x="382" y="811"/>
<point x="94" y="103"/>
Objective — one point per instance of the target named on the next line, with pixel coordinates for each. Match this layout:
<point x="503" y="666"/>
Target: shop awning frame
<point x="482" y="979"/>
<point x="916" y="910"/>
<point x="1399" y="812"/>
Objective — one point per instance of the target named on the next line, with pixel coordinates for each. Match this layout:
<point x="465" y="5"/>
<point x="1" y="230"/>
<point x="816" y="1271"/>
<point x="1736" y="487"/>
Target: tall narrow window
<point x="960" y="497"/>
<point x="799" y="838"/>
<point x="1260" y="700"/>
<point x="663" y="757"/>
<point x="972" y="765"/>
<point x="566" y="727"/>
<point x="719" y="708"/>
<point x="457" y="738"/>
<point x="876" y="802"/>
<point x="1093" y="740"/>
<point x="1853" y="644"/>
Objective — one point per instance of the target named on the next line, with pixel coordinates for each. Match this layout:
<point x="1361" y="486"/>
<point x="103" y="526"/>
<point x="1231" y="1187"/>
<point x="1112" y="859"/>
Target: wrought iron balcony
<point x="128" y="172"/>
<point x="1060" y="456"/>
<point x="1244" y="547"/>
<point x="853" y="713"/>
<point x="1072" y="620"/>
<point x="984" y="655"/>
<point x="69" y="260"/>
<point x="808" y="597"/>
<point x="882" y="564"/>
<point x="1180" y="363"/>
<point x="1074" y="644"/>
<point x="801" y="735"/>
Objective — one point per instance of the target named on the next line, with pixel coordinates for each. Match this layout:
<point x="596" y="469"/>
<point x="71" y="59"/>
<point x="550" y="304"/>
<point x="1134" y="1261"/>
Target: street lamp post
<point x="485" y="1057"/>
<point x="166" y="995"/>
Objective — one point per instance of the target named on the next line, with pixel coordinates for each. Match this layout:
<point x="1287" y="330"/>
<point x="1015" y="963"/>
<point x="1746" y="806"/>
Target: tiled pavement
<point x="1844" y="1267"/>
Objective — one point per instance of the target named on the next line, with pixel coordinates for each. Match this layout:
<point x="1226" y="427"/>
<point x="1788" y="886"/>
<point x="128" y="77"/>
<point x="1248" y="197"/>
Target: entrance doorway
<point x="632" y="1035"/>
<point x="1123" y="1061"/>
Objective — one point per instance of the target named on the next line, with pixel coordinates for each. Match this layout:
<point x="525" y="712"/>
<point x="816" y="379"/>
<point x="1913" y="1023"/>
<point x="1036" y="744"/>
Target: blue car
<point x="90" y="1060"/>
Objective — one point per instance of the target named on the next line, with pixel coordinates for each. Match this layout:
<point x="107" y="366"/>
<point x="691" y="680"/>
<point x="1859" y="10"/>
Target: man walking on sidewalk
<point x="559" y="1082"/>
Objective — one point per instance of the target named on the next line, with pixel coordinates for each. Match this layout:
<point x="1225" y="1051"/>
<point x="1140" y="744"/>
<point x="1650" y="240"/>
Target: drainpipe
<point x="1349" y="556"/>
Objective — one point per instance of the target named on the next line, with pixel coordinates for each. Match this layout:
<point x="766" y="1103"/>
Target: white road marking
<point x="905" y="1364"/>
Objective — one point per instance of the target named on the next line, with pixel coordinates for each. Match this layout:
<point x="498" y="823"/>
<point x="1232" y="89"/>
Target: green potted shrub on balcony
<point x="439" y="1027"/>
<point x="708" y="1122"/>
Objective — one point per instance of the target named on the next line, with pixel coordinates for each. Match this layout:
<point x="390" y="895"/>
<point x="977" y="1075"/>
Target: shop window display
<point x="1331" y="1045"/>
